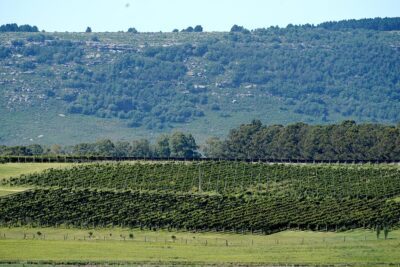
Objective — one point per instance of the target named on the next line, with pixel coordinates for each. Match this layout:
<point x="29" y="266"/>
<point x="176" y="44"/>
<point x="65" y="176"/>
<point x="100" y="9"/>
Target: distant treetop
<point x="133" y="30"/>
<point x="13" y="27"/>
<point x="197" y="28"/>
<point x="88" y="29"/>
<point x="236" y="28"/>
<point x="188" y="29"/>
<point x="378" y="24"/>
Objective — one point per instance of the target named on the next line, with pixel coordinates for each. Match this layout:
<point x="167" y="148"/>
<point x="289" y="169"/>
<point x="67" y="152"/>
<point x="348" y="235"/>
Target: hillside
<point x="77" y="87"/>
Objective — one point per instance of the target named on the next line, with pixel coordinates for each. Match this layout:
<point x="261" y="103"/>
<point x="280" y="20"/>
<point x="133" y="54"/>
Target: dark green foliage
<point x="345" y="141"/>
<point x="236" y="28"/>
<point x="133" y="30"/>
<point x="198" y="28"/>
<point x="13" y="27"/>
<point x="188" y="29"/>
<point x="88" y="29"/>
<point x="183" y="146"/>
<point x="378" y="24"/>
<point x="30" y="150"/>
<point x="176" y="145"/>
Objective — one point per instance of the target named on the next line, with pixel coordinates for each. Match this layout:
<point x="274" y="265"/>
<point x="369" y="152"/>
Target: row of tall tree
<point x="378" y="24"/>
<point x="344" y="141"/>
<point x="13" y="27"/>
<point x="175" y="145"/>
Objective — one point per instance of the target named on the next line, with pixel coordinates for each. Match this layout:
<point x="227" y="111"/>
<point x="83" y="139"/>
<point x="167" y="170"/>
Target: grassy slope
<point x="15" y="169"/>
<point x="25" y="126"/>
<point x="288" y="247"/>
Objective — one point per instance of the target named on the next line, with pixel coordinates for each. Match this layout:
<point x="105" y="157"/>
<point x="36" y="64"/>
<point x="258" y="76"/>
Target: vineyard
<point x="207" y="196"/>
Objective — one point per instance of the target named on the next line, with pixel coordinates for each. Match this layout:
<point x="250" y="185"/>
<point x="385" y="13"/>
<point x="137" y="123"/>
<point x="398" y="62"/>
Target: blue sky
<point x="165" y="15"/>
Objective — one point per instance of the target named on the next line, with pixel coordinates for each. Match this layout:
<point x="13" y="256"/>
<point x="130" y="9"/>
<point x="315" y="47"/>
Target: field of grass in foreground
<point x="358" y="248"/>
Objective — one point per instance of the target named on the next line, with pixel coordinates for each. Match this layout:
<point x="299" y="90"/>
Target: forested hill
<point x="74" y="87"/>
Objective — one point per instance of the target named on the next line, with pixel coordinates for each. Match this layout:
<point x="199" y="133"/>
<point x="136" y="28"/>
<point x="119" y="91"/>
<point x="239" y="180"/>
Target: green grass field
<point x="358" y="248"/>
<point x="15" y="169"/>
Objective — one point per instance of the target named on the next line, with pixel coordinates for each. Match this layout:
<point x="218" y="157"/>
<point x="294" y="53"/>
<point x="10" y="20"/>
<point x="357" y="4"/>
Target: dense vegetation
<point x="346" y="142"/>
<point x="161" y="80"/>
<point x="378" y="24"/>
<point x="218" y="196"/>
<point x="13" y="27"/>
<point x="85" y="208"/>
<point x="225" y="178"/>
<point x="177" y="145"/>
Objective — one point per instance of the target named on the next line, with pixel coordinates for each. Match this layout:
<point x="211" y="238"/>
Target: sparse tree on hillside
<point x="88" y="29"/>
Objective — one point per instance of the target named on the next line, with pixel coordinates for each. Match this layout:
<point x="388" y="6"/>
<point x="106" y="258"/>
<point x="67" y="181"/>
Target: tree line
<point x="344" y="141"/>
<point x="378" y="24"/>
<point x="175" y="145"/>
<point x="13" y="27"/>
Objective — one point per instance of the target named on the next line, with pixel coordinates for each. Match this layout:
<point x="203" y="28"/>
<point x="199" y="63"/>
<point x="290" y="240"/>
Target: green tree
<point x="35" y="149"/>
<point x="141" y="148"/>
<point x="183" y="146"/>
<point x="198" y="28"/>
<point x="123" y="149"/>
<point x="105" y="148"/>
<point x="213" y="148"/>
<point x="162" y="148"/>
<point x="88" y="29"/>
<point x="84" y="149"/>
<point x="56" y="149"/>
<point x="188" y="29"/>
<point x="133" y="30"/>
<point x="239" y="141"/>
